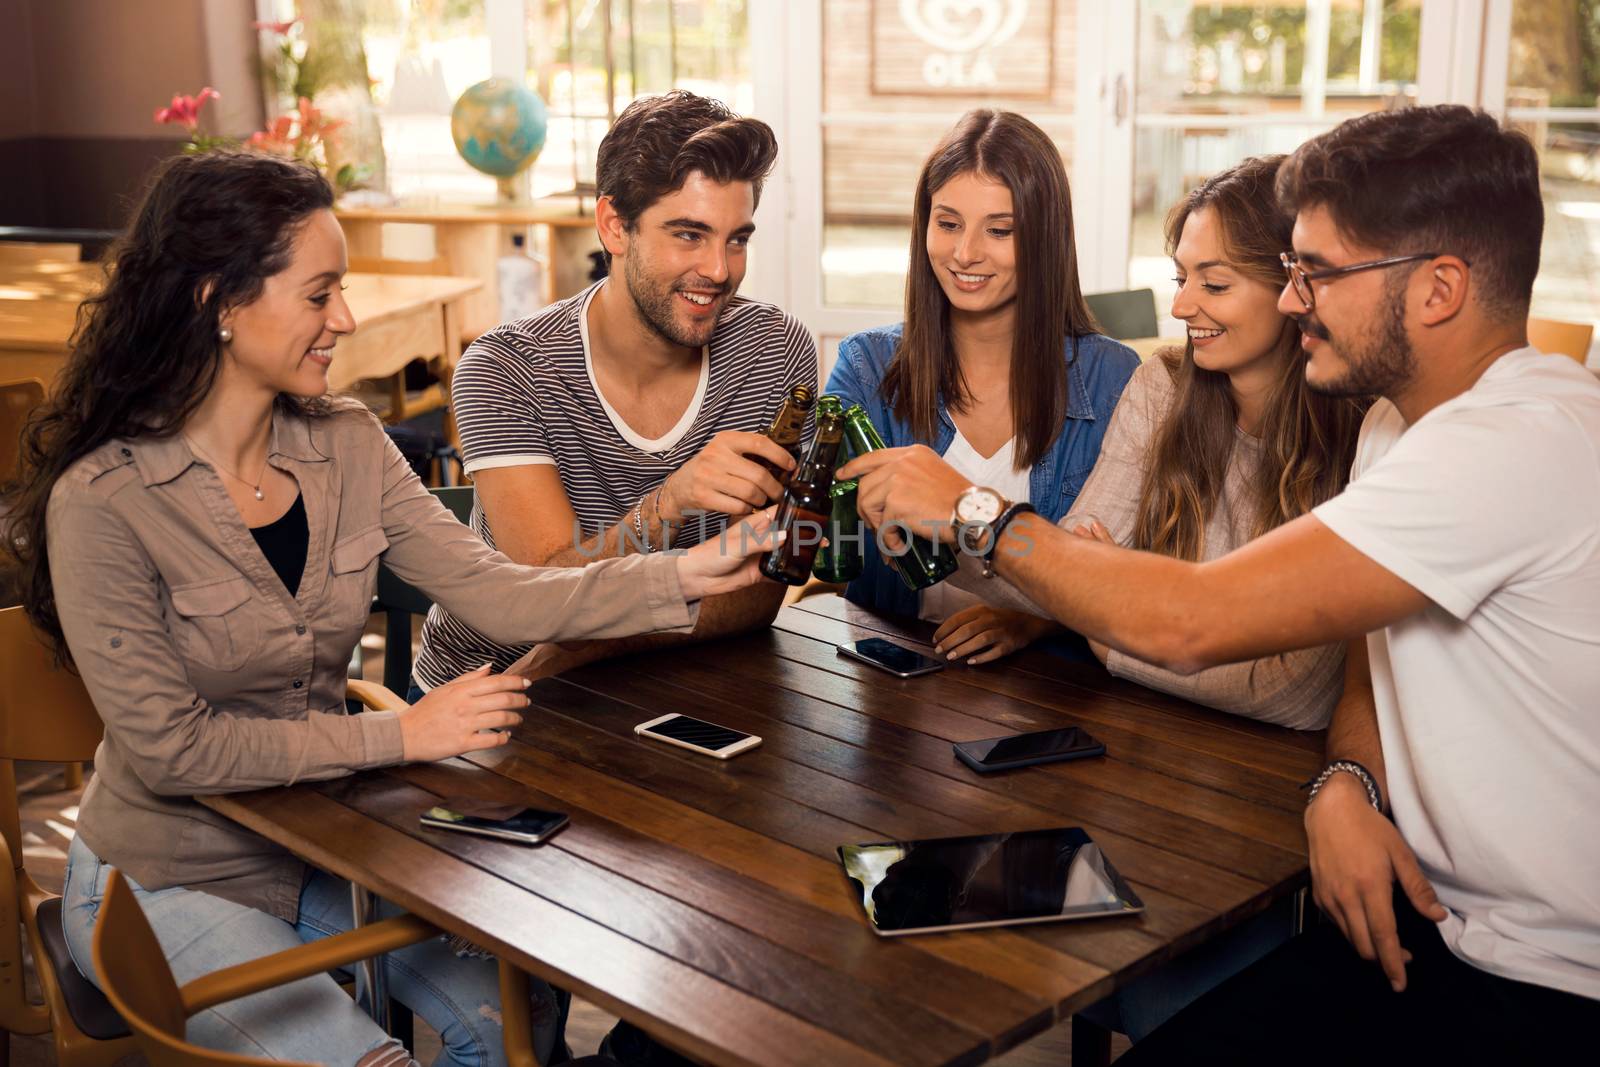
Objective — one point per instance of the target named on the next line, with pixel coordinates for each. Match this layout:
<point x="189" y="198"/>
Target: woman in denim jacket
<point x="997" y="366"/>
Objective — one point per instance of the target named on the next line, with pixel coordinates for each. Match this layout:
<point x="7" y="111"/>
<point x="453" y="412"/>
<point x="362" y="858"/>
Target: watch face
<point x="979" y="505"/>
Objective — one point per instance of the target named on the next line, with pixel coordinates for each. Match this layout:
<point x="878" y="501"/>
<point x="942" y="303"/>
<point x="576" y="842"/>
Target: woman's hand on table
<point x="728" y="563"/>
<point x="462" y="716"/>
<point x="982" y="633"/>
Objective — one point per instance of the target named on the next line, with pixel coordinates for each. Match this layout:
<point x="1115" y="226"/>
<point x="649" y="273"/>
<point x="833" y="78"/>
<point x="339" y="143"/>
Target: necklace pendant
<point x="260" y="495"/>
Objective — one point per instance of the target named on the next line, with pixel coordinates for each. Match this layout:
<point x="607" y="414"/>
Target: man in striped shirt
<point x="627" y="418"/>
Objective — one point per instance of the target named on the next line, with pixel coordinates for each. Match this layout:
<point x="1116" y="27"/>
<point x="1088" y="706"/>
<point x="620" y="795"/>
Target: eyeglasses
<point x="1301" y="279"/>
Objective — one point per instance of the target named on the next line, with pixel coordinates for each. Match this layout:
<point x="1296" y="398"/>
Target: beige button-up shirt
<point x="211" y="678"/>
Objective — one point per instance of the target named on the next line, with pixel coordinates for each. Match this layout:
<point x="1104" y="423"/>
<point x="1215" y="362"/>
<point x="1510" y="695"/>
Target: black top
<point x="284" y="543"/>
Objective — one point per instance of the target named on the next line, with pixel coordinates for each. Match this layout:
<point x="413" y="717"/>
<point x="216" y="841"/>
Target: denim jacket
<point x="1097" y="370"/>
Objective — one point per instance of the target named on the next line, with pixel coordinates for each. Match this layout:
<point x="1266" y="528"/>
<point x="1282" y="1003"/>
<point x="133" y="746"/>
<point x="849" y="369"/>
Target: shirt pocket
<point x="354" y="576"/>
<point x="214" y="625"/>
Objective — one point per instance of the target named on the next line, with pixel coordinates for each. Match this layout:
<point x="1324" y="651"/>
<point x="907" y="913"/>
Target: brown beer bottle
<point x="788" y="426"/>
<point x="803" y="514"/>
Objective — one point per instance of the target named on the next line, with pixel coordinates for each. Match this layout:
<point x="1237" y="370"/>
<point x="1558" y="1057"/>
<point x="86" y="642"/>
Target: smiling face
<point x="1231" y="315"/>
<point x="1355" y="338"/>
<point x="283" y="340"/>
<point x="970" y="243"/>
<point x="685" y="256"/>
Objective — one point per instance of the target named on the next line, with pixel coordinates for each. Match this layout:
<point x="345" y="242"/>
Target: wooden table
<point x="399" y="318"/>
<point x="704" y="901"/>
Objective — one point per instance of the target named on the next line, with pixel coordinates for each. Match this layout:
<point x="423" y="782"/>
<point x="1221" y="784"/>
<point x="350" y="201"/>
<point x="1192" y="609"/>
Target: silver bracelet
<point x="1348" y="767"/>
<point x="638" y="526"/>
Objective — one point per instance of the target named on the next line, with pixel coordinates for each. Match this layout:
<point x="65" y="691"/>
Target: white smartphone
<point x="697" y="735"/>
<point x="886" y="655"/>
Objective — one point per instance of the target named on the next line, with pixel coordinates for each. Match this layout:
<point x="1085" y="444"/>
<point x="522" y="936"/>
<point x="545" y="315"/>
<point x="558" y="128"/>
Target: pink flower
<point x="279" y="28"/>
<point x="185" y="110"/>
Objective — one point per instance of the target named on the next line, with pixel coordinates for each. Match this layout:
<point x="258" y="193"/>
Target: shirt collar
<point x="161" y="459"/>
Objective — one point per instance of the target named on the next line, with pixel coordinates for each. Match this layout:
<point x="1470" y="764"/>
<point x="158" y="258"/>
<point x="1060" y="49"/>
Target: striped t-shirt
<point x="525" y="393"/>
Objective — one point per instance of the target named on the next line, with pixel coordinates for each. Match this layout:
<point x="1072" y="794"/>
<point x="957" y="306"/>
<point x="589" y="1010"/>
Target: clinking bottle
<point x="804" y="511"/>
<point x="840" y="559"/>
<point x="788" y="426"/>
<point x="922" y="563"/>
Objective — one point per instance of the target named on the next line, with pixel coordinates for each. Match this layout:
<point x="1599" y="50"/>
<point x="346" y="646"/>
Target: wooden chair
<point x="17" y="401"/>
<point x="140" y="985"/>
<point x="24" y="252"/>
<point x="87" y="1030"/>
<point x="1553" y="336"/>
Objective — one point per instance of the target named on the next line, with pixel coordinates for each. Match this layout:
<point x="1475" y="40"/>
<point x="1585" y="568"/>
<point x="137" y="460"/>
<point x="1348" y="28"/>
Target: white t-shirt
<point x="938" y="602"/>
<point x="1489" y="700"/>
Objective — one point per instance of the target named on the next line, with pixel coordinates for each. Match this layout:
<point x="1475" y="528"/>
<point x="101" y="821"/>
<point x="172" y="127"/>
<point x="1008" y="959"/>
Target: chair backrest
<point x="399" y="600"/>
<point x="45" y="712"/>
<point x="17" y="401"/>
<point x="1126" y="314"/>
<point x="45" y="715"/>
<point x="138" y="981"/>
<point x="1552" y="336"/>
<point x="39" y="252"/>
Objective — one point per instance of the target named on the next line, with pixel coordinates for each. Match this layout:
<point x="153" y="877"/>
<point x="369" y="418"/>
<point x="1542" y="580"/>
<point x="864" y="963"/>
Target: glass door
<point x="1218" y="82"/>
<point x="1542" y="72"/>
<point x="871" y="86"/>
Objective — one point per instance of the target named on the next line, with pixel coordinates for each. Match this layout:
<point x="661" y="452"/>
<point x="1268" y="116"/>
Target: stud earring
<point x="225" y="334"/>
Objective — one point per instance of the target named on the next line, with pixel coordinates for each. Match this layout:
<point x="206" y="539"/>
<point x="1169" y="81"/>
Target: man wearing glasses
<point x="1463" y="566"/>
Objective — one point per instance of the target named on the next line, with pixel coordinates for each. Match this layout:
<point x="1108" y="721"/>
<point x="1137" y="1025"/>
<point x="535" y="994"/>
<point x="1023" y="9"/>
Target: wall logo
<point x="963" y="35"/>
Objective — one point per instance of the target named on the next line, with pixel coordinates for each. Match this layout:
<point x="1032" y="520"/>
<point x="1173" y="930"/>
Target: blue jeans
<point x="311" y="1020"/>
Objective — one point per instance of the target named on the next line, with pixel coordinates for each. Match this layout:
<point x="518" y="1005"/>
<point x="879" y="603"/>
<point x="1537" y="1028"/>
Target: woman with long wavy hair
<point x="1216" y="443"/>
<point x="998" y="366"/>
<point x="198" y="530"/>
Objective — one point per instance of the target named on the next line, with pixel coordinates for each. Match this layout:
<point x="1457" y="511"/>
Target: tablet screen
<point x="989" y="880"/>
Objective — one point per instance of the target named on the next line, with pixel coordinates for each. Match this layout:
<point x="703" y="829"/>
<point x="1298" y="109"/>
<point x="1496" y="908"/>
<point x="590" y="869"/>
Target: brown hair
<point x="1442" y="179"/>
<point x="209" y="232"/>
<point x="1007" y="148"/>
<point x="1308" y="439"/>
<point x="658" y="141"/>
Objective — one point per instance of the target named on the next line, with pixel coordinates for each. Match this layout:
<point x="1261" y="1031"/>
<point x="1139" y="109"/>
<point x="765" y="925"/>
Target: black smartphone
<point x="529" y="826"/>
<point x="1023" y="750"/>
<point x="886" y="655"/>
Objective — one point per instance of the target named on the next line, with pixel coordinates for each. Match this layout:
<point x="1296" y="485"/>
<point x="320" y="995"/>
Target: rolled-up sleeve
<point x="512" y="604"/>
<point x="106" y="590"/>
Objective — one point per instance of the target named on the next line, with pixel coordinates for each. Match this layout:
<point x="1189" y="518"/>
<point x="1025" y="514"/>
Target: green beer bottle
<point x="921" y="563"/>
<point x="840" y="560"/>
<point x="803" y="514"/>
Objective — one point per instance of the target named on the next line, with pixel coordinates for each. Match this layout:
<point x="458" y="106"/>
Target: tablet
<point x="958" y="883"/>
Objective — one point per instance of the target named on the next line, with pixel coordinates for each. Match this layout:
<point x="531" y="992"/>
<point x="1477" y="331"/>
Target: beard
<point x="656" y="301"/>
<point x="1378" y="363"/>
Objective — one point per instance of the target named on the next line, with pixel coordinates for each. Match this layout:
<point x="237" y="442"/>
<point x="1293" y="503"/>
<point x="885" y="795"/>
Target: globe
<point x="499" y="127"/>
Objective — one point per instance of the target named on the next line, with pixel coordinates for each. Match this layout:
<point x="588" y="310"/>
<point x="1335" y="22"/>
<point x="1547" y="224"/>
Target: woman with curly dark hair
<point x="198" y="529"/>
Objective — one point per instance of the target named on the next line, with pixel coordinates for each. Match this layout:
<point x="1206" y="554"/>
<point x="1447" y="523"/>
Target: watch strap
<point x="998" y="528"/>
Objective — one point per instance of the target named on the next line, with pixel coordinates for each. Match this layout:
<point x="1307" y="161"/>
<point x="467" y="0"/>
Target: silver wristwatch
<point x="975" y="511"/>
